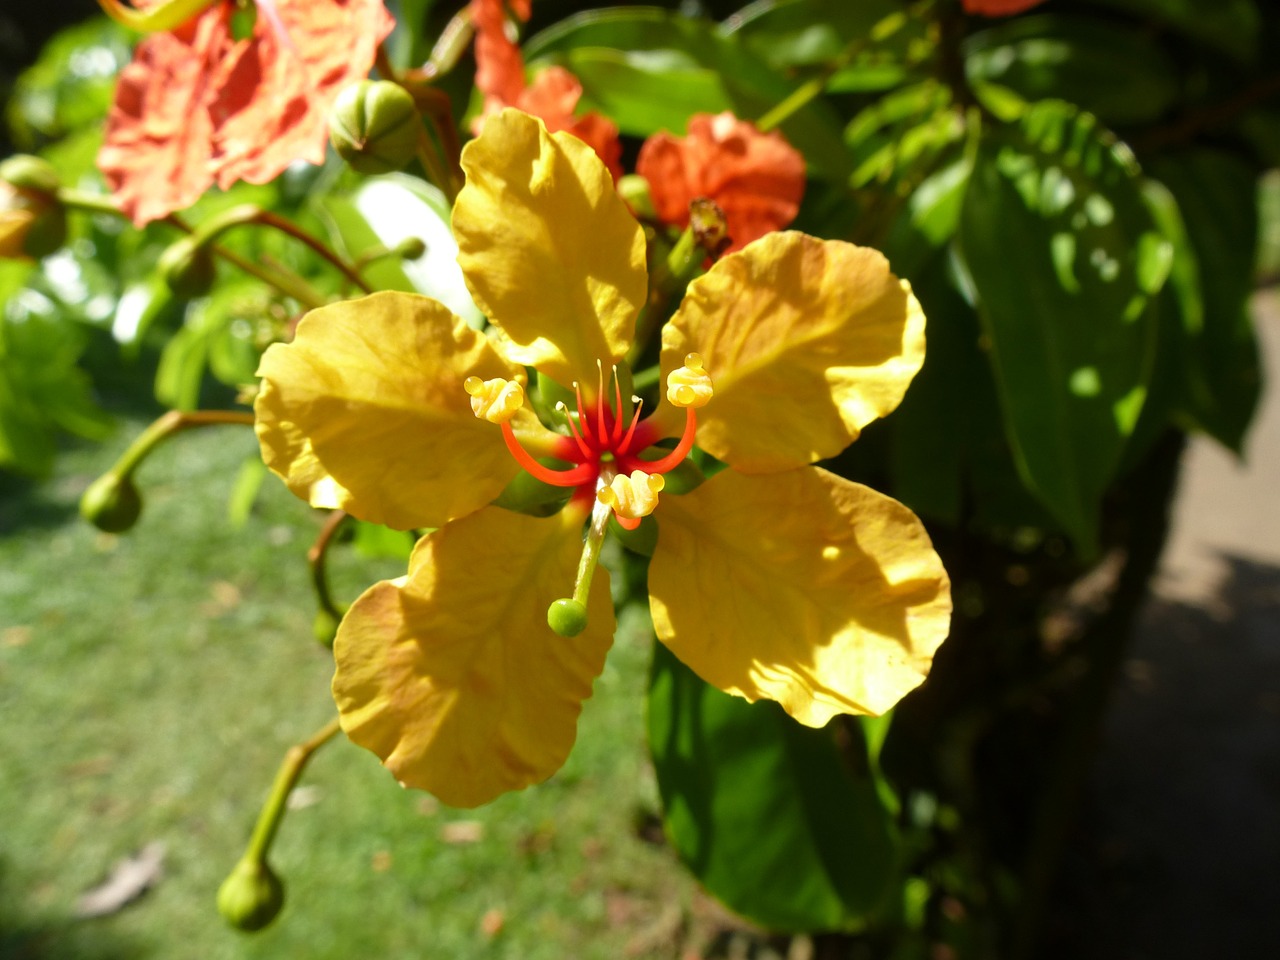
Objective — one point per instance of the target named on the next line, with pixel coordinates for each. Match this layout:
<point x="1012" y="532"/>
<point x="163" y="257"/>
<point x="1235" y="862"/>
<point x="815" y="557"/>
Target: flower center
<point x="603" y="437"/>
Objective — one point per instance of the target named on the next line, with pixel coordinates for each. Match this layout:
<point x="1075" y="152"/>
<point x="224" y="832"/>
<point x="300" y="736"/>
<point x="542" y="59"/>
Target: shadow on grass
<point x="24" y="939"/>
<point x="1176" y="854"/>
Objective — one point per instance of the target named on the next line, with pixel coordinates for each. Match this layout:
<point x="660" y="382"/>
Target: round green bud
<point x="324" y="628"/>
<point x="187" y="267"/>
<point x="411" y="248"/>
<point x="375" y="126"/>
<point x="634" y="189"/>
<point x="30" y="173"/>
<point x="567" y="617"/>
<point x="112" y="503"/>
<point x="251" y="896"/>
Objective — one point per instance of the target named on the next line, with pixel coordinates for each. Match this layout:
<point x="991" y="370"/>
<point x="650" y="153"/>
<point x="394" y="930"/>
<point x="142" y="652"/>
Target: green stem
<point x="317" y="558"/>
<point x="166" y="426"/>
<point x="673" y="274"/>
<point x="295" y="761"/>
<point x="289" y="284"/>
<point x="595" y="540"/>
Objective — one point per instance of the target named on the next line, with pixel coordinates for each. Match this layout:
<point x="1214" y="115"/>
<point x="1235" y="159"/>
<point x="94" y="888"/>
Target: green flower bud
<point x="324" y="628"/>
<point x="634" y="189"/>
<point x="567" y="617"/>
<point x="187" y="267"/>
<point x="251" y="896"/>
<point x="32" y="221"/>
<point x="374" y="126"/>
<point x="30" y="173"/>
<point x="112" y="503"/>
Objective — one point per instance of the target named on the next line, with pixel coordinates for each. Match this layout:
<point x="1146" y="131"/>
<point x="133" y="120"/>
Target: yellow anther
<point x="632" y="497"/>
<point x="495" y="400"/>
<point x="689" y="386"/>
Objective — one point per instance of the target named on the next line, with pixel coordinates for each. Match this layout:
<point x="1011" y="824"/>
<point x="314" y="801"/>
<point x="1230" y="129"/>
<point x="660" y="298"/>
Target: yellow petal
<point x="451" y="674"/>
<point x="548" y="250"/>
<point x="370" y="394"/>
<point x="287" y="451"/>
<point x="800" y="587"/>
<point x="806" y="340"/>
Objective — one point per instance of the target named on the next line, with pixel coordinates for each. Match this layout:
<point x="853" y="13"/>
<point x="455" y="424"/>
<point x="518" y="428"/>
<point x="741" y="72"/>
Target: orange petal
<point x="197" y="106"/>
<point x="553" y="96"/>
<point x="275" y="93"/>
<point x="451" y="674"/>
<point x="999" y="8"/>
<point x="156" y="156"/>
<point x="756" y="178"/>
<point x="499" y="65"/>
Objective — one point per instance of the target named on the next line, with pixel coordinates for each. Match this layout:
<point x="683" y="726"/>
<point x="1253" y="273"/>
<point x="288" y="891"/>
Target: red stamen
<point x="582" y="444"/>
<point x="621" y="449"/>
<point x="580" y="474"/>
<point x="583" y="421"/>
<point x="617" y="406"/>
<point x="600" y="404"/>
<point x="672" y="459"/>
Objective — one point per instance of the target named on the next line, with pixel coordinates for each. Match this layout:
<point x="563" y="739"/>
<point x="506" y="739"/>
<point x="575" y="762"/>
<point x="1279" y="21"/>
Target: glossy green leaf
<point x="804" y="33"/>
<point x="1208" y="211"/>
<point x="650" y="69"/>
<point x="765" y="812"/>
<point x="1231" y="26"/>
<point x="1064" y="259"/>
<point x="1114" y="72"/>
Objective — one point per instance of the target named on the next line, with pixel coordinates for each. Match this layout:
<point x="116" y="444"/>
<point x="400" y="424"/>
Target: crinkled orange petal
<point x="276" y="92"/>
<point x="553" y="96"/>
<point x="548" y="249"/>
<point x="157" y="153"/>
<point x="499" y="65"/>
<point x="197" y="106"/>
<point x="800" y="587"/>
<point x="451" y="674"/>
<point x="756" y="178"/>
<point x="370" y="394"/>
<point x="807" y="341"/>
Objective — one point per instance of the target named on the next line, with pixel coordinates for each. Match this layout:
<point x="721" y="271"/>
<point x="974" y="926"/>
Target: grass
<point x="149" y="685"/>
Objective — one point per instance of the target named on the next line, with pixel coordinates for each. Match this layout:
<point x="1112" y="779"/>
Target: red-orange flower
<point x="552" y="97"/>
<point x="999" y="8"/>
<point x="756" y="178"/>
<point x="198" y="107"/>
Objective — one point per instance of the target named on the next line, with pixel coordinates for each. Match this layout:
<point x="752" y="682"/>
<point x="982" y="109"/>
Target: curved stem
<point x="170" y="423"/>
<point x="295" y="760"/>
<point x="317" y="559"/>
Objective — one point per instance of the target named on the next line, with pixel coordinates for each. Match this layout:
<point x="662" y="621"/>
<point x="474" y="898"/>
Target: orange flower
<point x="197" y="106"/>
<point x="552" y="97"/>
<point x="756" y="178"/>
<point x="999" y="8"/>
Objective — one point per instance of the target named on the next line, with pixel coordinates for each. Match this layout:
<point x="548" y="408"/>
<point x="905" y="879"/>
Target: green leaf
<point x="1111" y="71"/>
<point x="1208" y="211"/>
<point x="244" y="493"/>
<point x="788" y="34"/>
<point x="649" y="69"/>
<point x="763" y="811"/>
<point x="1064" y="259"/>
<point x="387" y="210"/>
<point x="70" y="87"/>
<point x="1231" y="26"/>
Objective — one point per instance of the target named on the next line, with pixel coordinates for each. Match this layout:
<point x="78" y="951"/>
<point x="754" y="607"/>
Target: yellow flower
<point x="773" y="579"/>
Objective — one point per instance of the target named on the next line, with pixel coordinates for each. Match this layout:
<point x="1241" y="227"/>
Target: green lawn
<point x="149" y="685"/>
